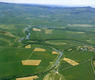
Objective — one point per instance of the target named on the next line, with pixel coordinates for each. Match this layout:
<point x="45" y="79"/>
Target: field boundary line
<point x="92" y="66"/>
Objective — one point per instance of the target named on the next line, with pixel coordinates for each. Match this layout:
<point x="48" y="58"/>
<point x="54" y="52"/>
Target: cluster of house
<point x="86" y="48"/>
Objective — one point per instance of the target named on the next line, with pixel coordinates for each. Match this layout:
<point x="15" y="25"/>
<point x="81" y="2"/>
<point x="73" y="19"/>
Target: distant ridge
<point x="42" y="5"/>
<point x="13" y="13"/>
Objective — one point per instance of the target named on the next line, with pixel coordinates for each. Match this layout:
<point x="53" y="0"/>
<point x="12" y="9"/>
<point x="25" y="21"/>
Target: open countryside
<point x="46" y="43"/>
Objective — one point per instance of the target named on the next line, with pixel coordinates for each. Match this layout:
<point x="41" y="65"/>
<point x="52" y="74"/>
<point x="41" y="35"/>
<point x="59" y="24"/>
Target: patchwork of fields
<point x="44" y="43"/>
<point x="35" y="57"/>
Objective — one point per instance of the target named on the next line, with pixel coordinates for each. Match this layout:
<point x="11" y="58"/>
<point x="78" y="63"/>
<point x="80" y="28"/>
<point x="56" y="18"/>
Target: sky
<point x="55" y="2"/>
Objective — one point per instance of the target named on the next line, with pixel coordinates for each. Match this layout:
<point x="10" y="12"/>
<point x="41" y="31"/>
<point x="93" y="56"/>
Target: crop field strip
<point x="28" y="78"/>
<point x="71" y="62"/>
<point x="39" y="49"/>
<point x="31" y="62"/>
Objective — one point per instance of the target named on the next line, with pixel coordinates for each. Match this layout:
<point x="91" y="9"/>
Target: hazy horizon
<point x="69" y="3"/>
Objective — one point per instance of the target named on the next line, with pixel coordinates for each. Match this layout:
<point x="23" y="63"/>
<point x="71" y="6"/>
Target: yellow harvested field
<point x="72" y="62"/>
<point x="36" y="29"/>
<point x="28" y="46"/>
<point x="39" y="49"/>
<point x="28" y="78"/>
<point x="31" y="62"/>
<point x="48" y="31"/>
<point x="94" y="63"/>
<point x="54" y="52"/>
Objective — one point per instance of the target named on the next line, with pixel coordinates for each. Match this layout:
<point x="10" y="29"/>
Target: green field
<point x="10" y="61"/>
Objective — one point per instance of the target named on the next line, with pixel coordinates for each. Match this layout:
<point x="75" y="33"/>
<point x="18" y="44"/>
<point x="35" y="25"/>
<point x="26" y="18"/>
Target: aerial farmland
<point x="46" y="43"/>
